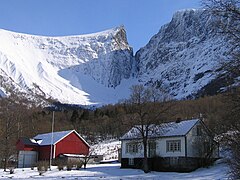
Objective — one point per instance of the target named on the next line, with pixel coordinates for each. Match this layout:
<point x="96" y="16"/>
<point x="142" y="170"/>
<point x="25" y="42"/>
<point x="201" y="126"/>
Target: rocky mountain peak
<point x="184" y="56"/>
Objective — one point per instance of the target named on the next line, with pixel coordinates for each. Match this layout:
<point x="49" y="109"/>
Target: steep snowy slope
<point x="185" y="55"/>
<point x="184" y="58"/>
<point x="72" y="69"/>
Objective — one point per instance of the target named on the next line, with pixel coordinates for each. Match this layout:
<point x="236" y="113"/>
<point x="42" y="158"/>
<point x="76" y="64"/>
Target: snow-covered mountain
<point x="185" y="55"/>
<point x="83" y="69"/>
<point x="183" y="58"/>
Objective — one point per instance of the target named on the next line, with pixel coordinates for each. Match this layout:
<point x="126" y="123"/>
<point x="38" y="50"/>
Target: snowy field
<point x="113" y="171"/>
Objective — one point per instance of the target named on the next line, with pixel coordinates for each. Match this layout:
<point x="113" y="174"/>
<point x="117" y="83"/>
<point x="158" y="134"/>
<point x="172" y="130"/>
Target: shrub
<point x="42" y="167"/>
<point x="79" y="165"/>
<point x="70" y="165"/>
<point x="11" y="170"/>
<point x="60" y="164"/>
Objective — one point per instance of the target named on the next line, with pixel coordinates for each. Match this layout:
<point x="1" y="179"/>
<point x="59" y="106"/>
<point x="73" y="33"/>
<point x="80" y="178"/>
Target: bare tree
<point x="232" y="104"/>
<point x="227" y="18"/>
<point x="12" y="122"/>
<point x="206" y="148"/>
<point x="89" y="156"/>
<point x="146" y="108"/>
<point x="234" y="162"/>
<point x="227" y="14"/>
<point x="232" y="137"/>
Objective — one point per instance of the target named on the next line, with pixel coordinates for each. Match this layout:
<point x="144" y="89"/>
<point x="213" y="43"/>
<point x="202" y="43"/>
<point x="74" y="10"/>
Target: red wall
<point x="71" y="144"/>
<point x="44" y="153"/>
<point x="21" y="147"/>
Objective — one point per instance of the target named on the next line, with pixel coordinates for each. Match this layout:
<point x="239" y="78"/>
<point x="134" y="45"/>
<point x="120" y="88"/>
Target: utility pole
<point x="51" y="153"/>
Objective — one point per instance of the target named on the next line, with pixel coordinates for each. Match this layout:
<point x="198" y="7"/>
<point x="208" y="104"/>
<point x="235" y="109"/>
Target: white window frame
<point x="131" y="161"/>
<point x="173" y="145"/>
<point x="132" y="147"/>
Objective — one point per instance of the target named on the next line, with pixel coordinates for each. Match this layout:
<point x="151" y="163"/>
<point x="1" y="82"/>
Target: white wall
<point x="132" y="155"/>
<point x="192" y="143"/>
<point x="162" y="150"/>
<point x="195" y="144"/>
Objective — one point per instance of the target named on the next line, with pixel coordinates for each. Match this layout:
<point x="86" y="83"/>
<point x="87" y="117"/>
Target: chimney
<point x="178" y="120"/>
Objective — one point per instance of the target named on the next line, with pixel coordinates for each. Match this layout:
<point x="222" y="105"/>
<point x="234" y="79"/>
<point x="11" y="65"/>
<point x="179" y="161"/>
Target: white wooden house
<point x="175" y="146"/>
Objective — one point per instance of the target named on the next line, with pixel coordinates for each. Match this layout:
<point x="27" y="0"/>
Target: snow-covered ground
<point x="113" y="171"/>
<point x="109" y="149"/>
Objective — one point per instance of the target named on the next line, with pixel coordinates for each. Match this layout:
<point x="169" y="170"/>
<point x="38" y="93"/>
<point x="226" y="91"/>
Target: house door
<point x="151" y="149"/>
<point x="27" y="158"/>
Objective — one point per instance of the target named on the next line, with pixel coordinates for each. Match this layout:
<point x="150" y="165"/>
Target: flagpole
<point x="51" y="153"/>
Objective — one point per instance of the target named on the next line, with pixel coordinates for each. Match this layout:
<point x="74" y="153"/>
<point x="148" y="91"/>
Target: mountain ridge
<point x="49" y="60"/>
<point x="99" y="68"/>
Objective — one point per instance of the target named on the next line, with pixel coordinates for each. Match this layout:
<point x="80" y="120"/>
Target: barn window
<point x="173" y="145"/>
<point x="132" y="148"/>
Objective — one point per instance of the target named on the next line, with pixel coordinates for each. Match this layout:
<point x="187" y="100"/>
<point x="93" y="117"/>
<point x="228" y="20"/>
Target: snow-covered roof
<point x="163" y="130"/>
<point x="74" y="155"/>
<point x="47" y="138"/>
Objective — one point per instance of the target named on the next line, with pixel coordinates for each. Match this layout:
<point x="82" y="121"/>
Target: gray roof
<point x="45" y="139"/>
<point x="163" y="130"/>
<point x="28" y="141"/>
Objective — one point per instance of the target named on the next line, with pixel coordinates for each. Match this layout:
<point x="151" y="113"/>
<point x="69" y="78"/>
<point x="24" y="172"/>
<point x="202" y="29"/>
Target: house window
<point x="151" y="148"/>
<point x="130" y="161"/>
<point x="173" y="145"/>
<point x="132" y="148"/>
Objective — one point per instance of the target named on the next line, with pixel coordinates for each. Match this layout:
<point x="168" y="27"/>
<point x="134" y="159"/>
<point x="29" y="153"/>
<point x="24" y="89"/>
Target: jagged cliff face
<point x="118" y="61"/>
<point x="63" y="67"/>
<point x="183" y="58"/>
<point x="106" y="57"/>
<point x="185" y="55"/>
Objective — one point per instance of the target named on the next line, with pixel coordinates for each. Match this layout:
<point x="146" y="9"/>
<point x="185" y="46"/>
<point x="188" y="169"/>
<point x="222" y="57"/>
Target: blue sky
<point x="141" y="18"/>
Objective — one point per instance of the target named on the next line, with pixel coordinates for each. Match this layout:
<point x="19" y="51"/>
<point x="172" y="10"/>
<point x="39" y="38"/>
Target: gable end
<point x="73" y="131"/>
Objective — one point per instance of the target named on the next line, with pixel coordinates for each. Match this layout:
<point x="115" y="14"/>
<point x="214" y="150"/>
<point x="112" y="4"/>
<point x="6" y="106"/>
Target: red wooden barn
<point x="39" y="147"/>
